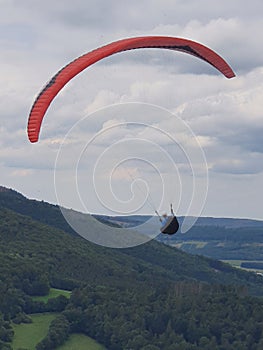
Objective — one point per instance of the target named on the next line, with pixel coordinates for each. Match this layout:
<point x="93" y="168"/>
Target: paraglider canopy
<point x="69" y="71"/>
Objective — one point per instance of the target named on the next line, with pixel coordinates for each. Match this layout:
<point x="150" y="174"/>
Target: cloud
<point x="240" y="165"/>
<point x="21" y="173"/>
<point x="38" y="38"/>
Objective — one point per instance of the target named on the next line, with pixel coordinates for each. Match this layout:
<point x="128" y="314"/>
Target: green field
<point x="235" y="263"/>
<point x="196" y="244"/>
<point x="28" y="335"/>
<point x="80" y="342"/>
<point x="53" y="293"/>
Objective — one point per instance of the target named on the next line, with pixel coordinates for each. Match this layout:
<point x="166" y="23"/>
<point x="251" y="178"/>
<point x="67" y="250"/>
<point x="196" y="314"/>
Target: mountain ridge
<point x="169" y="261"/>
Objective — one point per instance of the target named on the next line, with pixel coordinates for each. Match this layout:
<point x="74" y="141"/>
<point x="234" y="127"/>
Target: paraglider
<point x="64" y="75"/>
<point x="169" y="224"/>
<point x="69" y="71"/>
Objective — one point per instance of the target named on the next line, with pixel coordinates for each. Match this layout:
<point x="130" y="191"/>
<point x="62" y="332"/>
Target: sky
<point x="139" y="129"/>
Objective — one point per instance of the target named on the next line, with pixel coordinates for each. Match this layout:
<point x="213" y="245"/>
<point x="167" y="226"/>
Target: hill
<point x="46" y="221"/>
<point x="124" y="298"/>
<point x="39" y="230"/>
<point x="220" y="238"/>
<point x="38" y="210"/>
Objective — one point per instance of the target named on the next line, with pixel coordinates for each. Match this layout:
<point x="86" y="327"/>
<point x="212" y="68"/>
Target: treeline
<point x="181" y="316"/>
<point x="58" y="333"/>
<point x="15" y="306"/>
<point x="38" y="210"/>
<point x="6" y="334"/>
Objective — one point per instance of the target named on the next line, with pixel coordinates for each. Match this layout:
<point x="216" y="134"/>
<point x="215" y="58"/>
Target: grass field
<point x="235" y="263"/>
<point x="28" y="335"/>
<point x="197" y="244"/>
<point x="80" y="342"/>
<point x="53" y="293"/>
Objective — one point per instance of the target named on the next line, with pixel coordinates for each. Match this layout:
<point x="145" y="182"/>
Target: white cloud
<point x="38" y="38"/>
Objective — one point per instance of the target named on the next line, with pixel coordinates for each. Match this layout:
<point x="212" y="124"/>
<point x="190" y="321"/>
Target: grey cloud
<point x="252" y="163"/>
<point x="140" y="15"/>
<point x="38" y="38"/>
<point x="249" y="138"/>
<point x="77" y="27"/>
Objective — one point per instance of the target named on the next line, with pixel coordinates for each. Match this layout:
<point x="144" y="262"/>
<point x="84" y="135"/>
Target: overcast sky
<point x="148" y="121"/>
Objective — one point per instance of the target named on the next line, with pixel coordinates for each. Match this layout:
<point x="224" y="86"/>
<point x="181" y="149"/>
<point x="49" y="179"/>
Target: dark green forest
<point x="149" y="297"/>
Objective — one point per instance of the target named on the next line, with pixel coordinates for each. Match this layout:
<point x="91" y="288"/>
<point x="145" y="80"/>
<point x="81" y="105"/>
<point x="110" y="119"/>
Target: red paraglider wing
<point x="61" y="78"/>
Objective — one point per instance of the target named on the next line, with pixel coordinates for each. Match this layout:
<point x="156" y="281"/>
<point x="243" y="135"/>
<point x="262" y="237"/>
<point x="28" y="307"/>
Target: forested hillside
<point x="148" y="297"/>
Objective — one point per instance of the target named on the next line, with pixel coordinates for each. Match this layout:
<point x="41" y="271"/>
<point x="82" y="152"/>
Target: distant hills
<point x="133" y="220"/>
<point x="228" y="222"/>
<point x="230" y="239"/>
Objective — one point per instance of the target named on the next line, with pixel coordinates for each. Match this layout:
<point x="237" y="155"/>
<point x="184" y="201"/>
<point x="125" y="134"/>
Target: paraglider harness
<point x="171" y="225"/>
